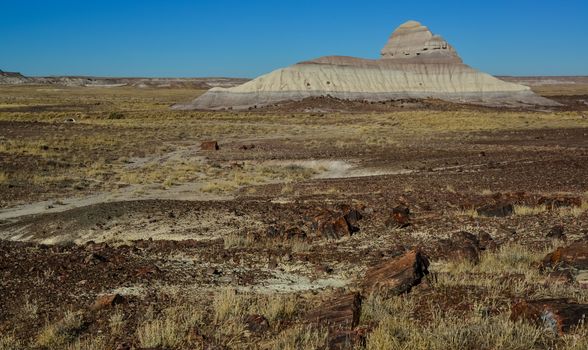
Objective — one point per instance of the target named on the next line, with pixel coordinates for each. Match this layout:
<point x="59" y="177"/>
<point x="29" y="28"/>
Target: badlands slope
<point x="413" y="64"/>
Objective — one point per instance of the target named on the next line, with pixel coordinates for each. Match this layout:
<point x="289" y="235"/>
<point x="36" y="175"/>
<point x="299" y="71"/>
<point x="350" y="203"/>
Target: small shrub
<point x="116" y="115"/>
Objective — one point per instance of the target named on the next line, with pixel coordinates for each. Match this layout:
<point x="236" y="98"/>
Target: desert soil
<point x="106" y="191"/>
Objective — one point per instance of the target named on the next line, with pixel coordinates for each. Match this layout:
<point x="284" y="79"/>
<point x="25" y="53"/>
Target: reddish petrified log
<point x="106" y="301"/>
<point x="333" y="224"/>
<point x="558" y="315"/>
<point x="342" y="312"/>
<point x="400" y="217"/>
<point x="209" y="146"/>
<point x="398" y="275"/>
<point x="574" y="255"/>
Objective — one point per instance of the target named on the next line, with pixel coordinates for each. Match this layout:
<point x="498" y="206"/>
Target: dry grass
<point x="400" y="324"/>
<point x="29" y="309"/>
<point x="89" y="343"/>
<point x="56" y="335"/>
<point x="227" y="303"/>
<point x="3" y="178"/>
<point x="116" y="321"/>
<point x="299" y="337"/>
<point x="169" y="329"/>
<point x="156" y="131"/>
<point x="529" y="210"/>
<point x="10" y="342"/>
<point x="236" y="240"/>
<point x="471" y="212"/>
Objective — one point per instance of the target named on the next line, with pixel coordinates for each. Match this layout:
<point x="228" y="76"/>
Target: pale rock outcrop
<point x="414" y="64"/>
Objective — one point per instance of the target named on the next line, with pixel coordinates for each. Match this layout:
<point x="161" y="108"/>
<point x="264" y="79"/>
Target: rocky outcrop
<point x="12" y="78"/>
<point x="414" y="64"/>
<point x="412" y="40"/>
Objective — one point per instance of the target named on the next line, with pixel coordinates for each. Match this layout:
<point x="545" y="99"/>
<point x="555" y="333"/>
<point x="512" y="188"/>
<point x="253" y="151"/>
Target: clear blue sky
<point x="247" y="38"/>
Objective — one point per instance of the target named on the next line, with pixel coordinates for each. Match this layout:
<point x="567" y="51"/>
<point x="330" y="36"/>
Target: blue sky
<point x="248" y="38"/>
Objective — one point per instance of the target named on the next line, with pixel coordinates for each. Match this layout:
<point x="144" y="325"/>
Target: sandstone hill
<point x="414" y="64"/>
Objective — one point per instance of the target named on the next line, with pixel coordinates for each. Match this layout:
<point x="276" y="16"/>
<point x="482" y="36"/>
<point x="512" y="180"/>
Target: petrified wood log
<point x="332" y="224"/>
<point x="209" y="146"/>
<point x="496" y="210"/>
<point x="400" y="217"/>
<point x="397" y="275"/>
<point x="558" y="315"/>
<point x="575" y="255"/>
<point x="341" y="312"/>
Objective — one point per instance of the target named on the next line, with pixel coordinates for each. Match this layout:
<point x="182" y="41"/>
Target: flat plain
<point x="119" y="231"/>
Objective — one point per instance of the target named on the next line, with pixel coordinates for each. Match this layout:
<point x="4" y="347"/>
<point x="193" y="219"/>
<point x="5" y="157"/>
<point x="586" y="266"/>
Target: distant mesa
<point x="11" y="78"/>
<point x="414" y="63"/>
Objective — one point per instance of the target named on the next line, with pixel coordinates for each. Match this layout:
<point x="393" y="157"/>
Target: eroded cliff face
<point x="412" y="40"/>
<point x="414" y="64"/>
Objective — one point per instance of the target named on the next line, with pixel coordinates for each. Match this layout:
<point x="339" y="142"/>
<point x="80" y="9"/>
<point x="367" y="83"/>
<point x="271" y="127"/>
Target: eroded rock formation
<point x="413" y="64"/>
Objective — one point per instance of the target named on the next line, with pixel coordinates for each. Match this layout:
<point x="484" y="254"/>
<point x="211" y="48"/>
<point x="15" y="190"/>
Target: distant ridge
<point x="12" y="78"/>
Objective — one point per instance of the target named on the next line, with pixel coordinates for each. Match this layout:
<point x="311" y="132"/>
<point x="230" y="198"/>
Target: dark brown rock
<point x="486" y="241"/>
<point x="94" y="258"/>
<point x="558" y="315"/>
<point x="341" y="312"/>
<point x="559" y="277"/>
<point x="106" y="301"/>
<point x="209" y="146"/>
<point x="557" y="232"/>
<point x="344" y="339"/>
<point x="256" y="323"/>
<point x="462" y="246"/>
<point x="560" y="201"/>
<point x="400" y="217"/>
<point x="397" y="275"/>
<point x="333" y="224"/>
<point x="496" y="210"/>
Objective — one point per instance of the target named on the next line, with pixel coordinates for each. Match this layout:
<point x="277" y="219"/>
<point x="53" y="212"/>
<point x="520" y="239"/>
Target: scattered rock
<point x="123" y="346"/>
<point x="582" y="279"/>
<point x="399" y="218"/>
<point x="333" y="224"/>
<point x="556" y="232"/>
<point x="325" y="269"/>
<point x="559" y="277"/>
<point x="341" y="312"/>
<point x="209" y="146"/>
<point x="106" y="301"/>
<point x="560" y="201"/>
<point x="486" y="242"/>
<point x="286" y="233"/>
<point x="557" y="315"/>
<point x="256" y="323"/>
<point x="496" y="210"/>
<point x="464" y="246"/>
<point x="398" y="275"/>
<point x="343" y="339"/>
<point x="94" y="258"/>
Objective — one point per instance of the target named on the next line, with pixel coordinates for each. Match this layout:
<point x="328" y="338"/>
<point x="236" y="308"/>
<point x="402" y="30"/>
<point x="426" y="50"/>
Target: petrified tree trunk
<point x="339" y="313"/>
<point x="398" y="275"/>
<point x="209" y="146"/>
<point x="558" y="315"/>
<point x="575" y="255"/>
